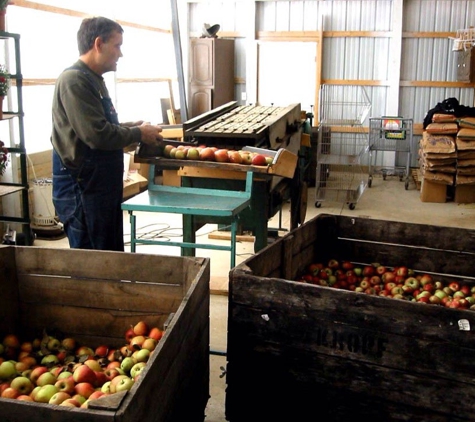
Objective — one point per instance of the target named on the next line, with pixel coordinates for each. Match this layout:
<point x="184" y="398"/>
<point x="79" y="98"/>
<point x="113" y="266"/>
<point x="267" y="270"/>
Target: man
<point x="88" y="142"/>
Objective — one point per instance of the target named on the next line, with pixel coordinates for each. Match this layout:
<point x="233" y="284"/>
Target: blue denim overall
<point x="88" y="201"/>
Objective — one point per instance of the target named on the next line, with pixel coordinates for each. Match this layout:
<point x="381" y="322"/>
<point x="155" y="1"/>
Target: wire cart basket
<point x="390" y="134"/>
<point x="342" y="142"/>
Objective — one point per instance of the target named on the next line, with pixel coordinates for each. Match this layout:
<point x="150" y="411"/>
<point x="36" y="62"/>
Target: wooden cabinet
<point x="466" y="65"/>
<point x="211" y="74"/>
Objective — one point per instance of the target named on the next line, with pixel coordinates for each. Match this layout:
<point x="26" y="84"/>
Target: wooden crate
<point x="304" y="352"/>
<point x="95" y="296"/>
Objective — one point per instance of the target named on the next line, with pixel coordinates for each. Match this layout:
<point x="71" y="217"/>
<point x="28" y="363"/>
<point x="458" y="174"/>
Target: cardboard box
<point x="94" y="296"/>
<point x="299" y="351"/>
<point x="171" y="178"/>
<point x="433" y="192"/>
<point x="464" y="194"/>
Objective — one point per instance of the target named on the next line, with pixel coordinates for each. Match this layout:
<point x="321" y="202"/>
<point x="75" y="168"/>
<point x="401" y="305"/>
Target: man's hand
<point x="151" y="134"/>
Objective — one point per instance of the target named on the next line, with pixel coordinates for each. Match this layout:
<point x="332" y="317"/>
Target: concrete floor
<point x="386" y="200"/>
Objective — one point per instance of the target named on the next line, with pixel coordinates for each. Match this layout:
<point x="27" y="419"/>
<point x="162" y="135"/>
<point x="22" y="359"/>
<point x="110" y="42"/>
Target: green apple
<point x="106" y="387"/>
<point x="124" y="384"/>
<point x="64" y="374"/>
<point x="59" y="397"/>
<point x="7" y="370"/>
<point x="22" y="384"/>
<point x="127" y="363"/>
<point x="45" y="393"/>
<point x="49" y="360"/>
<point x="137" y="368"/>
<point x="141" y="355"/>
<point x="46" y="378"/>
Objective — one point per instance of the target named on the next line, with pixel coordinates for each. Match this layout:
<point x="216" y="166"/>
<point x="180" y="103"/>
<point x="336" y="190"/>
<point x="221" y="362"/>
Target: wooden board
<point x="95" y="296"/>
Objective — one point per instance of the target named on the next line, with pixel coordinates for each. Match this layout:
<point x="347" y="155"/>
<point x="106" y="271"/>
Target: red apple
<point x="235" y="157"/>
<point x="66" y="385"/>
<point x="101" y="351"/>
<point x="454" y="286"/>
<point x="84" y="389"/>
<point x="37" y="372"/>
<point x="11" y="340"/>
<point x="207" y="154"/>
<point x="425" y="279"/>
<point x="156" y="333"/>
<point x="96" y="395"/>
<point x="221" y="156"/>
<point x="69" y="343"/>
<point x="84" y="374"/>
<point x="402" y="271"/>
<point x="347" y="265"/>
<point x="85" y="350"/>
<point x="141" y="328"/>
<point x="259" y="160"/>
<point x="137" y="342"/>
<point x="10" y="393"/>
<point x="375" y="279"/>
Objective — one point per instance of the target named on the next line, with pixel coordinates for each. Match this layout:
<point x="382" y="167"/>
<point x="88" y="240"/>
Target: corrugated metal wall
<point x="365" y="58"/>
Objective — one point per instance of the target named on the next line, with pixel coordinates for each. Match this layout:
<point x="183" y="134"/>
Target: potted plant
<point x="3" y="158"/>
<point x="4" y="85"/>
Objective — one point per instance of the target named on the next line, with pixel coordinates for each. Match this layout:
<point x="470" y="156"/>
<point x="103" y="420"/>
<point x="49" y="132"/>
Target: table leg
<point x="189" y="235"/>
<point x="132" y="231"/>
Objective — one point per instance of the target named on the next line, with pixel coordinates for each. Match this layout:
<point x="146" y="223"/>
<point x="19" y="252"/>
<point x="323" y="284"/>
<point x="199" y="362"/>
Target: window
<point x="48" y="45"/>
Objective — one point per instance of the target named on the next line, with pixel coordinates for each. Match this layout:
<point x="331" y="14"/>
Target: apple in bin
<point x="66" y="385"/>
<point x="84" y="374"/>
<point x="46" y="378"/>
<point x="10" y="393"/>
<point x="44" y="394"/>
<point x="8" y="370"/>
<point x="59" y="397"/>
<point x="84" y="389"/>
<point x="22" y="384"/>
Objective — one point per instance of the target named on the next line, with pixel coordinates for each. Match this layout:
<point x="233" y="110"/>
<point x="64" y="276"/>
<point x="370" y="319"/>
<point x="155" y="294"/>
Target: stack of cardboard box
<point x="447" y="159"/>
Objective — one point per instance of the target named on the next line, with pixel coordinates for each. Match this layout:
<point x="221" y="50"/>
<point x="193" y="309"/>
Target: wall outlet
<point x="243" y="96"/>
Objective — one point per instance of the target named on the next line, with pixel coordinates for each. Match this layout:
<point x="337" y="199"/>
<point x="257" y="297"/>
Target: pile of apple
<point x="61" y="372"/>
<point x="397" y="283"/>
<point x="220" y="155"/>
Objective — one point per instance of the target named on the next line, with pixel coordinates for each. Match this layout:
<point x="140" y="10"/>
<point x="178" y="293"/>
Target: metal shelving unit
<point x="390" y="134"/>
<point x="19" y="185"/>
<point x="342" y="142"/>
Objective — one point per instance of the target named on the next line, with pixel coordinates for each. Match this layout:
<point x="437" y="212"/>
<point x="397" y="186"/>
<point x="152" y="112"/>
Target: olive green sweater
<point x="79" y="120"/>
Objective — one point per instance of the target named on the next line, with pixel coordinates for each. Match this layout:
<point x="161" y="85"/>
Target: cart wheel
<point x="384" y="176"/>
<point x="370" y="181"/>
<point x="406" y="185"/>
<point x="318" y="204"/>
<point x="351" y="206"/>
<point x="400" y="178"/>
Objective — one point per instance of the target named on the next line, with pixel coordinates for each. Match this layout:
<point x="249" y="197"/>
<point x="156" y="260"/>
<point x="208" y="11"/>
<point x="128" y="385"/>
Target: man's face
<point x="110" y="52"/>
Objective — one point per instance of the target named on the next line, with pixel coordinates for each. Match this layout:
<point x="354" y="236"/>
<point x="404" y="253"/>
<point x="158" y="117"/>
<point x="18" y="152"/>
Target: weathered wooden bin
<point x="95" y="296"/>
<point x="303" y="352"/>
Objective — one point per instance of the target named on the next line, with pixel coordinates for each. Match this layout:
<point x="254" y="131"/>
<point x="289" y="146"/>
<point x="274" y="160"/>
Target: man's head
<point x="99" y="41"/>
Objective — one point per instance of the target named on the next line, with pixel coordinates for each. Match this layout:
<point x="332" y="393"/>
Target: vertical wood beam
<point x="252" y="54"/>
<point x="395" y="48"/>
